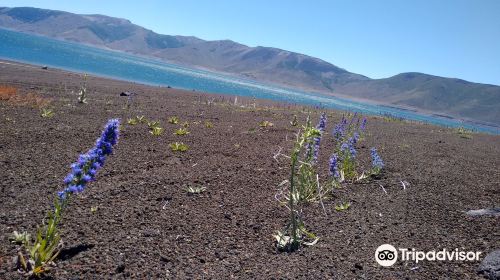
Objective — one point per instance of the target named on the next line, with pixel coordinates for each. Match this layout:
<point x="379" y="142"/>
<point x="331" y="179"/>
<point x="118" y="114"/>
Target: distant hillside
<point x="441" y="95"/>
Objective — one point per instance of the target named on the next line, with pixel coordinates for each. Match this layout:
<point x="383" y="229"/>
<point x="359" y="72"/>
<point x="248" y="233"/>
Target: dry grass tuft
<point x="9" y="94"/>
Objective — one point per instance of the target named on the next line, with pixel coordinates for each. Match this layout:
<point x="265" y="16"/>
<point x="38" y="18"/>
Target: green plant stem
<point x="291" y="200"/>
<point x="294" y="159"/>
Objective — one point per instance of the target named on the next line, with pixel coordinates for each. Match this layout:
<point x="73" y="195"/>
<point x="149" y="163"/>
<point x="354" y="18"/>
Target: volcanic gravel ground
<point x="148" y="227"/>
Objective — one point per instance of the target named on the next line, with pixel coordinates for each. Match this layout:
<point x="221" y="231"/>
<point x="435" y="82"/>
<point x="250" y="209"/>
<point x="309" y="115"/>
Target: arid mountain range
<point x="445" y="96"/>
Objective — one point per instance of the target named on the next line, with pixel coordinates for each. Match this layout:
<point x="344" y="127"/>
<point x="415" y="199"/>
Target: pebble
<point x="484" y="212"/>
<point x="490" y="266"/>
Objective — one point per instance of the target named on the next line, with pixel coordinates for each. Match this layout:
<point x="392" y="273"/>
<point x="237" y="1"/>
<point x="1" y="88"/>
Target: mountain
<point x="445" y="96"/>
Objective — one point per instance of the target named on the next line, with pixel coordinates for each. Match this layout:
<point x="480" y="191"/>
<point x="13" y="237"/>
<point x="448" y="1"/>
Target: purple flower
<point x="334" y="167"/>
<point x="353" y="118"/>
<point x="317" y="140"/>
<point x="85" y="169"/>
<point x="377" y="162"/>
<point x="69" y="178"/>
<point x="349" y="145"/>
<point x="355" y="137"/>
<point x="340" y="128"/>
<point x="322" y="123"/>
<point x="363" y="124"/>
<point x="313" y="151"/>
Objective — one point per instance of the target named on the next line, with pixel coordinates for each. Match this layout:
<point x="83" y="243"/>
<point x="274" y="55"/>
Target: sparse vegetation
<point x="20" y="238"/>
<point x="47" y="113"/>
<point x="11" y="95"/>
<point x="294" y="121"/>
<point x="209" y="124"/>
<point x="464" y="132"/>
<point x="132" y="121"/>
<point x="173" y="120"/>
<point x="156" y="131"/>
<point x="181" y="131"/>
<point x="195" y="189"/>
<point x="343" y="206"/>
<point x="178" y="147"/>
<point x="266" y="124"/>
<point x="82" y="95"/>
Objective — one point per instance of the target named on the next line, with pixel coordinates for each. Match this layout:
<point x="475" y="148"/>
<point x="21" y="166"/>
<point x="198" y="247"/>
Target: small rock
<point x="126" y="93"/>
<point x="120" y="268"/>
<point x="484" y="212"/>
<point x="490" y="266"/>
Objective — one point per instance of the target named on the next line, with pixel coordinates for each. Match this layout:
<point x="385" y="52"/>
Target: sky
<point x="375" y="38"/>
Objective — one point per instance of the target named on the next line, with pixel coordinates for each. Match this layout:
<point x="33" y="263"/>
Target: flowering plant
<point x="302" y="174"/>
<point x="48" y="240"/>
<point x="377" y="163"/>
<point x="343" y="162"/>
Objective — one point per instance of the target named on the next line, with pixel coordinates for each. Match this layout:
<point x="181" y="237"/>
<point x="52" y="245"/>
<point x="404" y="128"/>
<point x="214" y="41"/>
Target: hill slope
<point x="441" y="95"/>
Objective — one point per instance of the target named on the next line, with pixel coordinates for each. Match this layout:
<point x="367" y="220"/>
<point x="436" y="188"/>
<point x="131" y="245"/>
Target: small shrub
<point x="266" y="124"/>
<point x="178" y="147"/>
<point x="153" y="124"/>
<point x="141" y="119"/>
<point x="12" y="96"/>
<point x="47" y="113"/>
<point x="156" y="131"/>
<point x="20" y="238"/>
<point x="209" y="124"/>
<point x="185" y="124"/>
<point x="181" y="131"/>
<point x="173" y="120"/>
<point x="195" y="189"/>
<point x="343" y="206"/>
<point x="7" y="92"/>
<point x="132" y="121"/>
<point x="464" y="132"/>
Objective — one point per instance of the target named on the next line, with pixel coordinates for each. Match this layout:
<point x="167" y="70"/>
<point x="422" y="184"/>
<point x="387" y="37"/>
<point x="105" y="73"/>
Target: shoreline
<point x="475" y="125"/>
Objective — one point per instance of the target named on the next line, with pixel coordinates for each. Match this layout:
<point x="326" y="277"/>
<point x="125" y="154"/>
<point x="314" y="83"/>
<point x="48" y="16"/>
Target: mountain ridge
<point x="449" y="96"/>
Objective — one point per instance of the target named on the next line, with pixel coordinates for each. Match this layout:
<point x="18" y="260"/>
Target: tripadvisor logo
<point x="387" y="255"/>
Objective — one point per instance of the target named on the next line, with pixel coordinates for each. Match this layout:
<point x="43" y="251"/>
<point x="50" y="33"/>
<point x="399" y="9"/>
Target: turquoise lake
<point x="39" y="50"/>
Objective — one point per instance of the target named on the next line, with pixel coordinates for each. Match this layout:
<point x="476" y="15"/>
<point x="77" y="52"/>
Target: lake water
<point x="81" y="58"/>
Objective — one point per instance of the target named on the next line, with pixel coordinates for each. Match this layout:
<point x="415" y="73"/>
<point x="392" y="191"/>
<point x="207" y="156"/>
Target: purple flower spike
<point x="377" y="162"/>
<point x="340" y="129"/>
<point x="334" y="166"/>
<point x="321" y="127"/>
<point x="363" y="124"/>
<point x="85" y="169"/>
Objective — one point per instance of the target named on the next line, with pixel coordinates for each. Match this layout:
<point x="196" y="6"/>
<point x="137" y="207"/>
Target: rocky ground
<point x="138" y="221"/>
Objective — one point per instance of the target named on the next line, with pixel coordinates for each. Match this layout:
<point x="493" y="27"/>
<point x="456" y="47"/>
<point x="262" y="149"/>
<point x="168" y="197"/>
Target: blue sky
<point x="378" y="39"/>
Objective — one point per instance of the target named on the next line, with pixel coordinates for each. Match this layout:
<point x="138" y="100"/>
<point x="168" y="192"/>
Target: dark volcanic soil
<point x="147" y="226"/>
